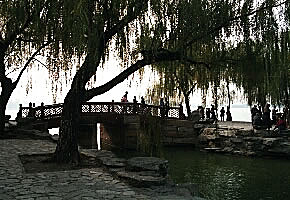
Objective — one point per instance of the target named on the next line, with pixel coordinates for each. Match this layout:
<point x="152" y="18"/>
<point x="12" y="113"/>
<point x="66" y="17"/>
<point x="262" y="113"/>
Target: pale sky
<point x="41" y="89"/>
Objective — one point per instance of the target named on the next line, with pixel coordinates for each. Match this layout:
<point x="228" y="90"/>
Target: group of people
<point x="261" y="118"/>
<point x="211" y="113"/>
<point x="124" y="99"/>
<point x="163" y="104"/>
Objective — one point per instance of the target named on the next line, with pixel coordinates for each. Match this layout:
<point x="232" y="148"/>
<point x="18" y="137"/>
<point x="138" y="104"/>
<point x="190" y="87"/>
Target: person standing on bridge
<point x="229" y="114"/>
<point x="124" y="98"/>
<point x="142" y="104"/>
<point x="134" y="105"/>
<point x="142" y="100"/>
<point x="222" y="111"/>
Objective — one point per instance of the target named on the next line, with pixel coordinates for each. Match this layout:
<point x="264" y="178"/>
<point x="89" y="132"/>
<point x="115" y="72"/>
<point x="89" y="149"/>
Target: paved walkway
<point x="85" y="184"/>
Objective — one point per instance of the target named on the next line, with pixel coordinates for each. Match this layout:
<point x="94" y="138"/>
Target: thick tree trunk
<point x="2" y="116"/>
<point x="67" y="146"/>
<point x="7" y="89"/>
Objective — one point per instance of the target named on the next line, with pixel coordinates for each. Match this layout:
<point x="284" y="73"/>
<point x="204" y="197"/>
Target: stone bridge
<point x="122" y="124"/>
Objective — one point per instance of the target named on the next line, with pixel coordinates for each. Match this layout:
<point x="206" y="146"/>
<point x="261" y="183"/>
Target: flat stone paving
<point x="85" y="184"/>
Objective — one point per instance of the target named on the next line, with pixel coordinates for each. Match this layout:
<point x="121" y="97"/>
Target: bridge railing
<point x="90" y="108"/>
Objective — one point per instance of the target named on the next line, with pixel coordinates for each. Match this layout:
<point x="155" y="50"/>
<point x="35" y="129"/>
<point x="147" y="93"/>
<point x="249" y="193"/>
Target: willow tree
<point x="242" y="42"/>
<point x="144" y="32"/>
<point x="23" y="36"/>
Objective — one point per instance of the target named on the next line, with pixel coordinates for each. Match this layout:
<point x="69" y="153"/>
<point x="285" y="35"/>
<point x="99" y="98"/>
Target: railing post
<point x="180" y="113"/>
<point x="113" y="110"/>
<point x="42" y="110"/>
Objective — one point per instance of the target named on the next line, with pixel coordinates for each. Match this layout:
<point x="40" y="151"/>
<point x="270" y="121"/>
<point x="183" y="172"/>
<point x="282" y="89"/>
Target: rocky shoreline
<point x="245" y="141"/>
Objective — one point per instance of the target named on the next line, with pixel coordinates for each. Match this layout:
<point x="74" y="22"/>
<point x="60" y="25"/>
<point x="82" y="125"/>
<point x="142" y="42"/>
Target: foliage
<point x="244" y="43"/>
<point x="150" y="136"/>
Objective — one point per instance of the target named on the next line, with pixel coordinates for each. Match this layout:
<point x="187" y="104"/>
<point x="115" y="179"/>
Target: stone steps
<point x="137" y="171"/>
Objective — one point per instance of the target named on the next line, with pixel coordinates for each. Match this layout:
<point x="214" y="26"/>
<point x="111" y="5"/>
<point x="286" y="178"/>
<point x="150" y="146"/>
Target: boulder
<point x="270" y="141"/>
<point x="237" y="140"/>
<point x="194" y="116"/>
<point x="245" y="133"/>
<point x="227" y="133"/>
<point x="228" y="149"/>
<point x="113" y="162"/>
<point x="155" y="164"/>
<point x="105" y="153"/>
<point x="141" y="179"/>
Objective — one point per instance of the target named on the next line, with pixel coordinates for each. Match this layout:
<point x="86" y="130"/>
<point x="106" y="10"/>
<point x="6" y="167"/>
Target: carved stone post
<point x="113" y="110"/>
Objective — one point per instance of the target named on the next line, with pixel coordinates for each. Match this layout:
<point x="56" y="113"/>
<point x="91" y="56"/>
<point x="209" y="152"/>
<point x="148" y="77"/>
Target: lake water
<point x="225" y="177"/>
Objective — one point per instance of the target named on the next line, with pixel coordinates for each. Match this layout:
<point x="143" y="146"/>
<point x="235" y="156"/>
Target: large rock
<point x="141" y="179"/>
<point x="270" y="141"/>
<point x="245" y="133"/>
<point x="113" y="162"/>
<point x="138" y="164"/>
<point x="237" y="140"/>
<point x="194" y="116"/>
<point x="208" y="134"/>
<point x="282" y="148"/>
<point x="227" y="133"/>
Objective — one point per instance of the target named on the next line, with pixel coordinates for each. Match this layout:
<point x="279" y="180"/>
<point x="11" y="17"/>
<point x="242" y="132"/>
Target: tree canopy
<point x="246" y="43"/>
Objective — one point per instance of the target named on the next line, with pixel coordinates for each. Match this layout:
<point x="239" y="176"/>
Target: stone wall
<point x="134" y="132"/>
<point x="245" y="142"/>
<point x="179" y="133"/>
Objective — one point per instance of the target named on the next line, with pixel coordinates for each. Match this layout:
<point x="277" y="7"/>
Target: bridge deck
<point x="46" y="112"/>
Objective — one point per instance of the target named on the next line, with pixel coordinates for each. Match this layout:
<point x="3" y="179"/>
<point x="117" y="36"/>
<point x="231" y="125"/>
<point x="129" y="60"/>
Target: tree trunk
<point x="67" y="146"/>
<point x="229" y="95"/>
<point x="186" y="99"/>
<point x="2" y="115"/>
<point x="7" y="89"/>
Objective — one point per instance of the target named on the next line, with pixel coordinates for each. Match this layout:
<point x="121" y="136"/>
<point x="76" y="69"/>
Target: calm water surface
<point x="223" y="177"/>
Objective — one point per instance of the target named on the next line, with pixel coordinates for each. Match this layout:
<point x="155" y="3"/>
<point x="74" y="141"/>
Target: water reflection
<point x="222" y="177"/>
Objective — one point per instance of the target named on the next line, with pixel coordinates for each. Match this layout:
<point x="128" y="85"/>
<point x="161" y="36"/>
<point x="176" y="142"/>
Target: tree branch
<point x="115" y="81"/>
<point x="149" y="57"/>
<point x="191" y="89"/>
<point x="29" y="60"/>
<point x="139" y="7"/>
